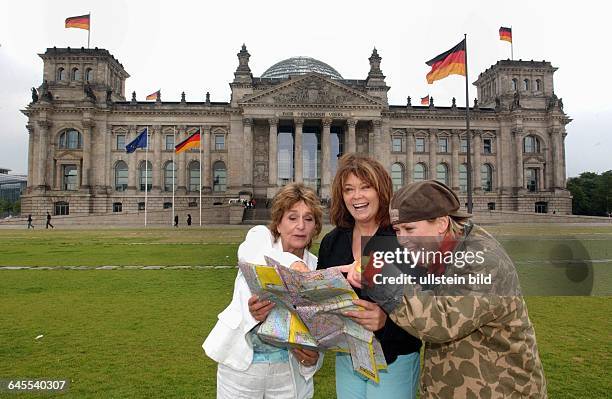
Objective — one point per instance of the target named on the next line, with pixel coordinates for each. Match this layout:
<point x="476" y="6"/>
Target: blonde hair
<point x="290" y="195"/>
<point x="455" y="226"/>
<point x="370" y="171"/>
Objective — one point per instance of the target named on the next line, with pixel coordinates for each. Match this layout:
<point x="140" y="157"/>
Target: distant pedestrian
<point x="188" y="219"/>
<point x="49" y="221"/>
<point x="30" y="222"/>
<point x="175" y="220"/>
<point x="253" y="202"/>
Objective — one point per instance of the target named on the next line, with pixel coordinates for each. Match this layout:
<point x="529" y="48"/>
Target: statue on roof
<point x="34" y="95"/>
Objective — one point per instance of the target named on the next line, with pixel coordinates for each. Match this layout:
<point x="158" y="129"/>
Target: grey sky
<point x="191" y="46"/>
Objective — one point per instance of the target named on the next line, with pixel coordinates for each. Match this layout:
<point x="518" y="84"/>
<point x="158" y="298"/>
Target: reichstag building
<point x="290" y="124"/>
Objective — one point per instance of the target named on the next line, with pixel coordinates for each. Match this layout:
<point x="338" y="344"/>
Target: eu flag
<point x="138" y="142"/>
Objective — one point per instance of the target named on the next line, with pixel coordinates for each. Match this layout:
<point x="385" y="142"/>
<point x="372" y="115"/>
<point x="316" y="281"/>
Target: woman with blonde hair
<point x="361" y="192"/>
<point x="249" y="367"/>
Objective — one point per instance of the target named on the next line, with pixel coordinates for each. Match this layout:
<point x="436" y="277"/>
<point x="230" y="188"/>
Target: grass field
<point x="138" y="333"/>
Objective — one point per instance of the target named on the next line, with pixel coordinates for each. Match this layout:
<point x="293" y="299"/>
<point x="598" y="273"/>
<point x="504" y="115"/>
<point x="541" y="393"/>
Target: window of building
<point x="141" y="206"/>
<point x="70" y="139"/>
<point x="120" y="142"/>
<point x="194" y="176"/>
<point x="531" y="144"/>
<point x="526" y="84"/>
<point x="219" y="142"/>
<point x="61" y="208"/>
<point x="538" y="85"/>
<point x="285" y="155"/>
<point x="442" y="173"/>
<point x="541" y="207"/>
<point x="76" y="74"/>
<point x="169" y="176"/>
<point x="337" y="148"/>
<point x="463" y="146"/>
<point x="487" y="146"/>
<point x="420" y="172"/>
<point x="531" y="179"/>
<point x="420" y="144"/>
<point x="443" y="144"/>
<point x="463" y="178"/>
<point x="121" y="176"/>
<point x="170" y="142"/>
<point x="491" y="206"/>
<point x="219" y="176"/>
<point x="89" y="75"/>
<point x="167" y="205"/>
<point x="146" y="176"/>
<point x="69" y="177"/>
<point x="486" y="177"/>
<point x="514" y="84"/>
<point x="397" y="176"/>
<point x="397" y="144"/>
<point x="61" y="74"/>
<point x="117" y="207"/>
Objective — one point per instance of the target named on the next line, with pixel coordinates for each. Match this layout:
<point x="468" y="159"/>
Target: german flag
<point x="80" y="22"/>
<point x="451" y="62"/>
<point x="505" y="34"/>
<point x="153" y="96"/>
<point x="425" y="100"/>
<point x="192" y="141"/>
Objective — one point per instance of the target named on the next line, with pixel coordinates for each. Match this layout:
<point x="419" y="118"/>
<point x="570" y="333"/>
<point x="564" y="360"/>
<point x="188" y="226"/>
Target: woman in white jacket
<point x="248" y="367"/>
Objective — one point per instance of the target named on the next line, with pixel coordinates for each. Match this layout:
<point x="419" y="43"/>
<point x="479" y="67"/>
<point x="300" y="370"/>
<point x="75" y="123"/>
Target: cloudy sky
<point x="191" y="46"/>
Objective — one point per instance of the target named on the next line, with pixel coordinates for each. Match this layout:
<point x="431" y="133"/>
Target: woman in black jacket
<point x="361" y="192"/>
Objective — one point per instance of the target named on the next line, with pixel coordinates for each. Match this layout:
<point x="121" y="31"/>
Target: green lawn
<point x="137" y="333"/>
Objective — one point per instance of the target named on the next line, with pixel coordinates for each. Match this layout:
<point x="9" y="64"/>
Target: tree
<point x="592" y="193"/>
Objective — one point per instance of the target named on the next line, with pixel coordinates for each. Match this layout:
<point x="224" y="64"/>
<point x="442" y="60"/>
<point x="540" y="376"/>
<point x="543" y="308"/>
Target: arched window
<point x="146" y="176"/>
<point x="89" y="75"/>
<point x="538" y="85"/>
<point x="526" y="84"/>
<point x="514" y="84"/>
<point x="420" y="172"/>
<point x="486" y="177"/>
<point x="531" y="144"/>
<point x="463" y="178"/>
<point x="219" y="176"/>
<point x="397" y="176"/>
<point x="61" y="75"/>
<point x="70" y="139"/>
<point x="121" y="176"/>
<point x="442" y="173"/>
<point x="76" y="74"/>
<point x="194" y="176"/>
<point x="169" y="176"/>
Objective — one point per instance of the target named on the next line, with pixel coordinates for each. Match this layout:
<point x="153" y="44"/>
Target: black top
<point x="336" y="249"/>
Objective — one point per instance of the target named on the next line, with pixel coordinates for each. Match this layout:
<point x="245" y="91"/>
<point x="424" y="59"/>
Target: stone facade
<point x="79" y="122"/>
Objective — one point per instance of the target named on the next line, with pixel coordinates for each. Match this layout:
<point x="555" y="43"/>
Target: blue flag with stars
<point x="138" y="142"/>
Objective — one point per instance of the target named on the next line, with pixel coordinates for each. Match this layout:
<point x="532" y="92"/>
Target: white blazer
<point x="227" y="343"/>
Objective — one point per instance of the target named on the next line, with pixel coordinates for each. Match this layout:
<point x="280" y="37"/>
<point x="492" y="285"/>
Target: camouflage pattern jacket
<point x="479" y="341"/>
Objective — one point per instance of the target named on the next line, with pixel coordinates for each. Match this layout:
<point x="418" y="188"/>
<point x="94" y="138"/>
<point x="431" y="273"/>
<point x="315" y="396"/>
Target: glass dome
<point x="300" y="66"/>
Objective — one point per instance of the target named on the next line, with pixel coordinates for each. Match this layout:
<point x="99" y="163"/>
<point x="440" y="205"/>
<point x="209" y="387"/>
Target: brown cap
<point x="424" y="200"/>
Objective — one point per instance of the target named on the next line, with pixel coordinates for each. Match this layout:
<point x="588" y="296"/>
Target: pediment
<point x="533" y="159"/>
<point x="69" y="155"/>
<point x="311" y="89"/>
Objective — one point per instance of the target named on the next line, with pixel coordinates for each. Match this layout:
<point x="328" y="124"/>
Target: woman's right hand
<point x="353" y="274"/>
<point x="259" y="309"/>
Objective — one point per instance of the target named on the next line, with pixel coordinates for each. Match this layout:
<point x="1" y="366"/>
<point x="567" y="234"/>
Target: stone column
<point x="456" y="145"/>
<point x="133" y="171"/>
<point x="206" y="166"/>
<point x="433" y="154"/>
<point x="86" y="171"/>
<point x="43" y="155"/>
<point x="410" y="147"/>
<point x="247" y="178"/>
<point x="559" y="167"/>
<point x="183" y="173"/>
<point x="31" y="153"/>
<point x="518" y="153"/>
<point x="108" y="167"/>
<point x="562" y="171"/>
<point x="298" y="162"/>
<point x="374" y="138"/>
<point x="273" y="152"/>
<point x="477" y="151"/>
<point x="157" y="160"/>
<point x="325" y="172"/>
<point x="499" y="167"/>
<point x="351" y="140"/>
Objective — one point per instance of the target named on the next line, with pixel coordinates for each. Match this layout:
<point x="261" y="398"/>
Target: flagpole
<point x="511" y="44"/>
<point x="173" y="169"/>
<point x="146" y="175"/>
<point x="468" y="133"/>
<point x="89" y="30"/>
<point x="201" y="139"/>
